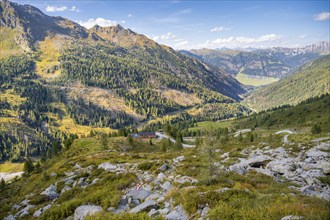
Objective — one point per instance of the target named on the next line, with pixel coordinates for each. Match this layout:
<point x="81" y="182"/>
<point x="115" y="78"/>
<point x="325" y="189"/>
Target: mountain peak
<point x="34" y="25"/>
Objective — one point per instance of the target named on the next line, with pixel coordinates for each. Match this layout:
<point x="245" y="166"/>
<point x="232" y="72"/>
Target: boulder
<point x="145" y="206"/>
<point x="160" y="177"/>
<point x="185" y="179"/>
<point x="164" y="167"/>
<point x="50" y="192"/>
<point x="316" y="153"/>
<point x="283" y="166"/>
<point x="178" y="159"/>
<point x="82" y="211"/>
<point x="177" y="214"/>
<point x="153" y="212"/>
<point x="108" y="167"/>
<point x="240" y="168"/>
<point x="25" y="211"/>
<point x="167" y="186"/>
<point x="9" y="217"/>
<point x="65" y="188"/>
<point x="15" y="207"/>
<point x="324" y="165"/>
<point x="258" y="161"/>
<point x="205" y="212"/>
<point x="41" y="210"/>
<point x="138" y="194"/>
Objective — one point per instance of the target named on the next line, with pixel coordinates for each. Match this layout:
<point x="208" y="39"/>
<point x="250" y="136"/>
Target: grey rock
<point x="240" y="168"/>
<point x="178" y="159"/>
<point x="164" y="211"/>
<point x="25" y="202"/>
<point x="82" y="211"/>
<point x="325" y="166"/>
<point x="258" y="161"/>
<point x="167" y="186"/>
<point x="205" y="212"/>
<point x="264" y="171"/>
<point x="154" y="196"/>
<point x="160" y="177"/>
<point x="292" y="217"/>
<point x="25" y="211"/>
<point x="311" y="174"/>
<point x="9" y="217"/>
<point x="283" y="166"/>
<point x="164" y="167"/>
<point x="153" y="212"/>
<point x="135" y="202"/>
<point x="50" y="192"/>
<point x="145" y="206"/>
<point x="41" y="210"/>
<point x="95" y="180"/>
<point x="138" y="194"/>
<point x="316" y="153"/>
<point x="108" y="167"/>
<point x="65" y="188"/>
<point x="15" y="207"/>
<point x="177" y="214"/>
<point x="185" y="179"/>
<point x="123" y="201"/>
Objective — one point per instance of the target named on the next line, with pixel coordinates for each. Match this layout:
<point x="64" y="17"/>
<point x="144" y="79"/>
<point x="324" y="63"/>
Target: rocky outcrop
<point x="145" y="206"/>
<point x="51" y="192"/>
<point x="303" y="169"/>
<point x="82" y="211"/>
<point x="177" y="214"/>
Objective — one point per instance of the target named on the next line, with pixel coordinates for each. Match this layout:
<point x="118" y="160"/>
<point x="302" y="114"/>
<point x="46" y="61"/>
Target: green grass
<point x="211" y="125"/>
<point x="8" y="45"/>
<point x="255" y="80"/>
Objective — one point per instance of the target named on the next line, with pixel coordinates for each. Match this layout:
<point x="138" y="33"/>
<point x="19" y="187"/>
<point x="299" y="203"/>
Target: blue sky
<point x="204" y="24"/>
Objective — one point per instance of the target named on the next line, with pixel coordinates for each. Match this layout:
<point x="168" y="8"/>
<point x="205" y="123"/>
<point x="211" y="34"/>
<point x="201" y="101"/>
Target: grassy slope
<point x="311" y="80"/>
<point x="255" y="80"/>
<point x="8" y="45"/>
<point x="302" y="117"/>
<point x="264" y="199"/>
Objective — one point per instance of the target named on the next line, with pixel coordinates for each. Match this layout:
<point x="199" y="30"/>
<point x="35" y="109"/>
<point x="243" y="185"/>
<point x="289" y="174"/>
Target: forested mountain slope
<point x="74" y="81"/>
<point x="313" y="79"/>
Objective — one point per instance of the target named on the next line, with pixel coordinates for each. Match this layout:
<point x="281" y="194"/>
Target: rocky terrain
<point x="153" y="190"/>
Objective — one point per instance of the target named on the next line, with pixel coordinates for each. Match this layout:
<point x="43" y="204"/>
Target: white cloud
<point x="181" y="44"/>
<point x="129" y="15"/>
<point x="61" y="8"/>
<point x="74" y="8"/>
<point x="303" y="36"/>
<point x="123" y="21"/>
<point x="322" y="16"/>
<point x="98" y="21"/>
<point x="233" y="42"/>
<point x="167" y="36"/>
<point x="56" y="8"/>
<point x="219" y="29"/>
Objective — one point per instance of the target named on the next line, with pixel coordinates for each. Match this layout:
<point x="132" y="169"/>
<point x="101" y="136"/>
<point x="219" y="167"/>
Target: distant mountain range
<point x="274" y="62"/>
<point x="313" y="79"/>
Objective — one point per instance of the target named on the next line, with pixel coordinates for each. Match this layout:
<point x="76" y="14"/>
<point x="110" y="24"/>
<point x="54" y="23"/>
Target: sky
<point x="195" y="24"/>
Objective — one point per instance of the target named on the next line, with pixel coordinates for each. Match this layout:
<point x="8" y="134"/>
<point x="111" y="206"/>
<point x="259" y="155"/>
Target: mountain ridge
<point x="277" y="62"/>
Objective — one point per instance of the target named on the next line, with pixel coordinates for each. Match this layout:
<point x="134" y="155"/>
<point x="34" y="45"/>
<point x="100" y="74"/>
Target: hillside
<point x="310" y="80"/>
<point x="62" y="80"/>
<point x="256" y="175"/>
<point x="274" y="62"/>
